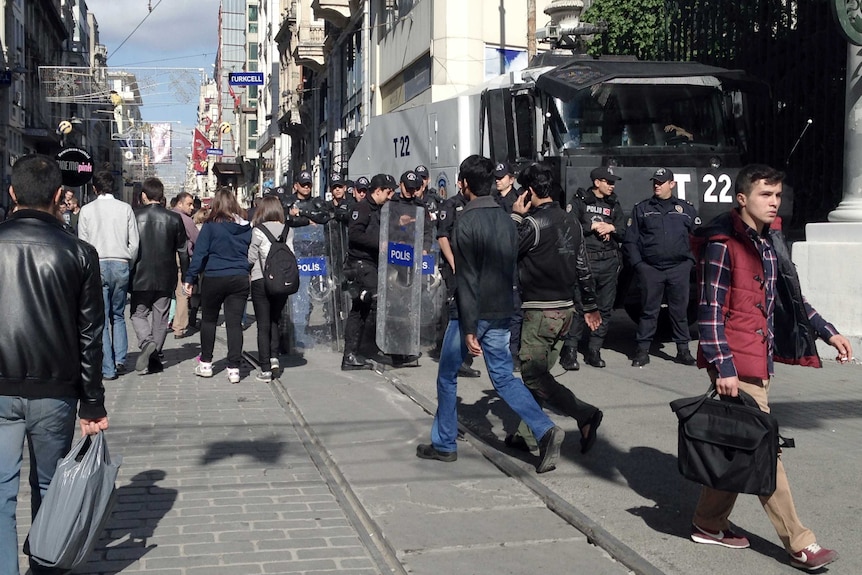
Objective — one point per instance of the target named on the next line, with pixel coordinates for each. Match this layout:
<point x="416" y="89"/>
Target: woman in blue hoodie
<point x="221" y="254"/>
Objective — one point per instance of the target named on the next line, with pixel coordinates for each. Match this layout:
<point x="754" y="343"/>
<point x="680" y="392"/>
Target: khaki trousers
<point x="714" y="506"/>
<point x="181" y="315"/>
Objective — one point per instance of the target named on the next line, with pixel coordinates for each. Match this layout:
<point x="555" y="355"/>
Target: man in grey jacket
<point x="109" y="225"/>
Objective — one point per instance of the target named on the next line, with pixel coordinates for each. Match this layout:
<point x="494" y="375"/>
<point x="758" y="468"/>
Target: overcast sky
<point x="176" y="34"/>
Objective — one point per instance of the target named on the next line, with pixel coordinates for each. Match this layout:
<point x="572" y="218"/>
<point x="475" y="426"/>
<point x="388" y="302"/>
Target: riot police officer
<point x="603" y="222"/>
<point x="505" y="194"/>
<point x="360" y="188"/>
<point x="360" y="270"/>
<point x="340" y="204"/>
<point x="408" y="194"/>
<point x="300" y="208"/>
<point x="658" y="246"/>
<point x="433" y="200"/>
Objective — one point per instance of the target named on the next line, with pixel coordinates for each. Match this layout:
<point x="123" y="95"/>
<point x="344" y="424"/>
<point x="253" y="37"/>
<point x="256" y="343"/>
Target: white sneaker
<point x="264" y="376"/>
<point x="204" y="369"/>
<point x="273" y="364"/>
<point x="233" y="374"/>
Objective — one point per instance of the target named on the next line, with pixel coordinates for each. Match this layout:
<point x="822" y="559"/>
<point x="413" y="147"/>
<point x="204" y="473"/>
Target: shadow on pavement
<point x="265" y="451"/>
<point x="140" y="505"/>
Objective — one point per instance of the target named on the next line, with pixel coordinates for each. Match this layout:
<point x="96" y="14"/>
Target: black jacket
<point x="363" y="231"/>
<point x="428" y="223"/>
<point x="162" y="236"/>
<point x="311" y="209"/>
<point x="485" y="245"/>
<point x="51" y="335"/>
<point x="552" y="260"/>
<point x="589" y="209"/>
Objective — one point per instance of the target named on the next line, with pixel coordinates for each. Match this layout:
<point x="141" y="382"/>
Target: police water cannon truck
<point x="578" y="112"/>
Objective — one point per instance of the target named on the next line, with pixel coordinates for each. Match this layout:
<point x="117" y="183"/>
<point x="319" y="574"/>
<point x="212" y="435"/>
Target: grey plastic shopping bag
<point x="76" y="506"/>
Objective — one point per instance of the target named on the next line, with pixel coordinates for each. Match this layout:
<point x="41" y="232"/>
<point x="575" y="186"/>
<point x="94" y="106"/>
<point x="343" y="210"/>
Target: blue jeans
<point x="493" y="335"/>
<point x="115" y="341"/>
<point x="49" y="425"/>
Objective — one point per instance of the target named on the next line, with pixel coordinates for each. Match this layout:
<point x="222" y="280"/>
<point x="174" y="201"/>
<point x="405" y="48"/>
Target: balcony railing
<point x="310" y="46"/>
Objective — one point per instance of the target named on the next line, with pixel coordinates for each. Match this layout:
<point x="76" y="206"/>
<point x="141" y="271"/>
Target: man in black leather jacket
<point x="50" y="340"/>
<point x="552" y="264"/>
<point x="162" y="237"/>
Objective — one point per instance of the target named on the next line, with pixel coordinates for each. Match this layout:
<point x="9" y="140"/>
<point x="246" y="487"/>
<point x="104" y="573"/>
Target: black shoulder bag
<point x="728" y="443"/>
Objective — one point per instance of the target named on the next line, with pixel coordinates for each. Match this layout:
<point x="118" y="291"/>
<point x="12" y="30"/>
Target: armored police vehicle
<point x="579" y="112"/>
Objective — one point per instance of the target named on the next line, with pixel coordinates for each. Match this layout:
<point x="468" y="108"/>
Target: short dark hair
<point x="753" y="173"/>
<point x="539" y="177"/>
<point x="269" y="209"/>
<point x="103" y="181"/>
<point x="36" y="178"/>
<point x="154" y="189"/>
<point x="478" y="172"/>
<point x="181" y="197"/>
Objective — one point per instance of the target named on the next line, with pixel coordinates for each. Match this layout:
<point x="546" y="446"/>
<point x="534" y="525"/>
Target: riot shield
<point x="399" y="278"/>
<point x="336" y="310"/>
<point x="309" y="325"/>
<point x="433" y="297"/>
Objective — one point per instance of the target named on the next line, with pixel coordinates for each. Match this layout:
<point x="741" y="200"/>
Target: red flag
<point x="199" y="152"/>
<point x="236" y="100"/>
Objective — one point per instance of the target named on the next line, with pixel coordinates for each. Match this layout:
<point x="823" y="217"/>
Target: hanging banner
<point x="199" y="152"/>
<point x="160" y="143"/>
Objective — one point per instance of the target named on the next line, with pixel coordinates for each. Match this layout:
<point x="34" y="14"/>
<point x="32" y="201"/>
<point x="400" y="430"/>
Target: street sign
<point x="245" y="78"/>
<point x="215" y="151"/>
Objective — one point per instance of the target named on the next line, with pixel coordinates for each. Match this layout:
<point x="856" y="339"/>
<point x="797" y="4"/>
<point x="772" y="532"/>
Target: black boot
<point x="569" y="358"/>
<point x="467" y="371"/>
<point x="684" y="357"/>
<point x="355" y="362"/>
<point x="594" y="358"/>
<point x="641" y="359"/>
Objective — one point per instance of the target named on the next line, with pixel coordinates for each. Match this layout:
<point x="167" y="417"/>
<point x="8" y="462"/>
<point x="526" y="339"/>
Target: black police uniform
<point x="311" y="209"/>
<point x="658" y="246"/>
<point x="508" y="201"/>
<point x="428" y="225"/>
<point x="604" y="257"/>
<point x="360" y="269"/>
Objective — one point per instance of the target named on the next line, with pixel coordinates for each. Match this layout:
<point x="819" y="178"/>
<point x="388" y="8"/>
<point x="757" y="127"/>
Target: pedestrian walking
<point x="267" y="307"/>
<point x="185" y="206"/>
<point x="221" y="253"/>
<point x="485" y="246"/>
<point x="55" y="277"/>
<point x="658" y="246"/>
<point x="748" y="286"/>
<point x="602" y="220"/>
<point x="163" y="242"/>
<point x="552" y="264"/>
<point x="110" y="226"/>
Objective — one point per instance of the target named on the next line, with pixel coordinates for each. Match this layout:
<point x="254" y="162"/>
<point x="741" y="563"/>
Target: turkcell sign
<point x="427" y="264"/>
<point x="400" y="254"/>
<point x="246" y="78"/>
<point x="215" y="152"/>
<point x="312" y="266"/>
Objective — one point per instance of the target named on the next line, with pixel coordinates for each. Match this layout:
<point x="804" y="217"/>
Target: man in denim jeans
<point x="109" y="225"/>
<point x="50" y="348"/>
<point x="485" y="246"/>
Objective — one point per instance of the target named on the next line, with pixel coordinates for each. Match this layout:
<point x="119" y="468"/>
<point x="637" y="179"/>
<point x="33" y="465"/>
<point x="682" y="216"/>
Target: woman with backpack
<point x="267" y="296"/>
<point x="221" y="254"/>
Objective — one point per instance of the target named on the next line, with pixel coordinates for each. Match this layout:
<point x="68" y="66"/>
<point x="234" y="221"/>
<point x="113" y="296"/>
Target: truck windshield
<point x="643" y="113"/>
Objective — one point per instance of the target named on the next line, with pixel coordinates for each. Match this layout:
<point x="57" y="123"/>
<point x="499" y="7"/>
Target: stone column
<point x="850" y="208"/>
